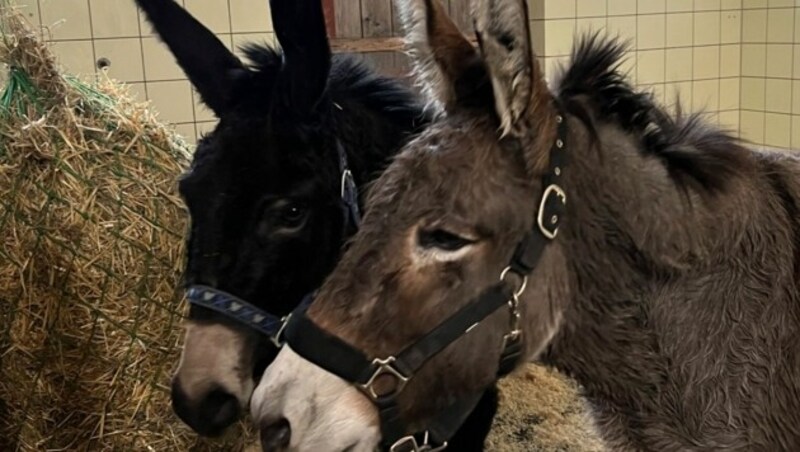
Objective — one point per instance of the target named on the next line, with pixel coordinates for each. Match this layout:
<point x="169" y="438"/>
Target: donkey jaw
<point x="324" y="411"/>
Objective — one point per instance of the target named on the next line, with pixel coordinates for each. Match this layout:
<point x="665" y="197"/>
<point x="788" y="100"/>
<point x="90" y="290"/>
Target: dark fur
<point x="681" y="319"/>
<point x="693" y="152"/>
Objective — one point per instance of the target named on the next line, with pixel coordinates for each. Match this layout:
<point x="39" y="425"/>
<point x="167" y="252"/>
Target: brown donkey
<point x="662" y="263"/>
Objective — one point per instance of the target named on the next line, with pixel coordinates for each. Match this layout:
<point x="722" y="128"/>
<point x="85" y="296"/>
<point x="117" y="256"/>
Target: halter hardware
<point x="384" y="367"/>
<point x="410" y="444"/>
<point x="347" y="181"/>
<point x="277" y="338"/>
<point x="515" y="331"/>
<point x="347" y="362"/>
<point x="549" y="226"/>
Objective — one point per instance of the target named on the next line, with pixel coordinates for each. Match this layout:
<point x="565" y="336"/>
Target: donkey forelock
<point x="670" y="291"/>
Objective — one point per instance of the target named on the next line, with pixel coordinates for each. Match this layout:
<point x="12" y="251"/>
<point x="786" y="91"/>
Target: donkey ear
<point x="504" y="39"/>
<point x="446" y="64"/>
<point x="300" y="28"/>
<point x="210" y="66"/>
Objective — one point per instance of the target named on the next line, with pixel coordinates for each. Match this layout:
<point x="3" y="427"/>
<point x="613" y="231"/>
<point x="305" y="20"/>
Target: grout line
<point x="91" y="33"/>
<point x="141" y="51"/>
<point x="764" y="140"/>
<point x="663" y="101"/>
<point x="791" y="84"/>
<point x="192" y="91"/>
<point x="741" y="67"/>
<point x="719" y="72"/>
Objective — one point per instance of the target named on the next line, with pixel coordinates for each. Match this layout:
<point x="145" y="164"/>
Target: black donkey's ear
<point x="210" y="66"/>
<point x="300" y="29"/>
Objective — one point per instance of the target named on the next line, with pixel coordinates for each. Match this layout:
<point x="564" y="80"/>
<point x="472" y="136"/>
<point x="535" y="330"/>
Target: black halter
<point x="349" y="363"/>
<point x="254" y="317"/>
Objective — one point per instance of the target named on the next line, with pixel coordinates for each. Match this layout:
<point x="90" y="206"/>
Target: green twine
<point x="19" y="95"/>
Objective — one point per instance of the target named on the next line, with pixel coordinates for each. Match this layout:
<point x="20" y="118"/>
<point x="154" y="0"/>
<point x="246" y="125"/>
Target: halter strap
<point x="348" y="190"/>
<point x="241" y="311"/>
<point x="340" y="358"/>
<point x="254" y="317"/>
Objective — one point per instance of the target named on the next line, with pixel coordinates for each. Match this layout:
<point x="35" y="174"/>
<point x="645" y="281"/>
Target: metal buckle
<point x="384" y="367"/>
<point x="411" y="445"/>
<point x="276" y="338"/>
<point x="347" y="182"/>
<point x="552" y="221"/>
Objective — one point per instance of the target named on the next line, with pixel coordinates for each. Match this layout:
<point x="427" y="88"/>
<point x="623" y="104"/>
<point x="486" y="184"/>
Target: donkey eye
<point x="292" y="215"/>
<point x="443" y="240"/>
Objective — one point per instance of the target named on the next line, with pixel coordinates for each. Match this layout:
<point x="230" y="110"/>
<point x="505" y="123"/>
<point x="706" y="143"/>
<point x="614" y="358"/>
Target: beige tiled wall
<point x="686" y="48"/>
<point x="85" y="32"/>
<point x="771" y="72"/>
<point x="739" y="60"/>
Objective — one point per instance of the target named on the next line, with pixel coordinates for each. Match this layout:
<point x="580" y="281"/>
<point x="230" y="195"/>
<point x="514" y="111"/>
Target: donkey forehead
<point x="256" y="157"/>
<point x="448" y="173"/>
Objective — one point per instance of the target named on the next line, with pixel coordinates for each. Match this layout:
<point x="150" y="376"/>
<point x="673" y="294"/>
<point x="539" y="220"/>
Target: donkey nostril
<point x="276" y="436"/>
<point x="217" y="411"/>
<point x="227" y="409"/>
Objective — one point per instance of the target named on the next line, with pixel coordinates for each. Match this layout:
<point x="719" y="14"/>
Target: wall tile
<point x="66" y="19"/>
<point x="651" y="31"/>
<point x="707" y="28"/>
<point x="778" y="96"/>
<point x="752" y="126"/>
<point x="250" y="16"/>
<point x="173" y="100"/>
<point x="754" y="26"/>
<point x="753" y="93"/>
<point x="680" y="29"/>
<point x="777" y="130"/>
<point x="77" y="57"/>
<point x="114" y="19"/>
<point x="125" y="56"/>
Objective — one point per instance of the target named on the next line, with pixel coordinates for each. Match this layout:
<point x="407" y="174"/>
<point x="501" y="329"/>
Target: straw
<point x="91" y="254"/>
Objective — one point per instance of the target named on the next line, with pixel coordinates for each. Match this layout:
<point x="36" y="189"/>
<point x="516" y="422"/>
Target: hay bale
<point x="540" y="409"/>
<point x="91" y="252"/>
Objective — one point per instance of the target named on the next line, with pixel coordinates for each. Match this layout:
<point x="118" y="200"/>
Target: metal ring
<point x="346" y="177"/>
<point x="521" y="287"/>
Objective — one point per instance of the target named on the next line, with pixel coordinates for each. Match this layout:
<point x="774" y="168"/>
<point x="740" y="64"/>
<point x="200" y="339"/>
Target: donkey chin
<point x="336" y="417"/>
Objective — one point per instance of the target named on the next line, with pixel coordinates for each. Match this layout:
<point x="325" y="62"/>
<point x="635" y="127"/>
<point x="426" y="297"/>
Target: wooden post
<point x="330" y="17"/>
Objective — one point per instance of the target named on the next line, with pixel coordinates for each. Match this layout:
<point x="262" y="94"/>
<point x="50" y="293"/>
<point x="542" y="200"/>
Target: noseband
<point x="247" y="314"/>
<point x="340" y="358"/>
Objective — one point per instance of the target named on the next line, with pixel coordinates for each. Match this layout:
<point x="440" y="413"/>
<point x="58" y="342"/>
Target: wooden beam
<point x="370" y="45"/>
<point x="366" y="45"/>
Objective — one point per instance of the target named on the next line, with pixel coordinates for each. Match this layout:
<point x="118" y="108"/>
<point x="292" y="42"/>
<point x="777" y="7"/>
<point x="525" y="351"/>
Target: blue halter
<point x="254" y="317"/>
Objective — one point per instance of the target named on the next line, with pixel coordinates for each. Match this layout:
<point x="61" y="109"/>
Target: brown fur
<point x="671" y="293"/>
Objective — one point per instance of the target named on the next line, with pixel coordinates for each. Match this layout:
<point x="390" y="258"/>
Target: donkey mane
<point x="350" y="81"/>
<point x="694" y="153"/>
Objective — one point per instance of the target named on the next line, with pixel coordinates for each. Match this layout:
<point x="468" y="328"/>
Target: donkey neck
<point x="660" y="305"/>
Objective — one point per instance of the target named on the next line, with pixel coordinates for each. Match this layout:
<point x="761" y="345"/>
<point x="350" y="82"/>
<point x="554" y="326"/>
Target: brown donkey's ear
<point x="446" y="64"/>
<point x="504" y="38"/>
